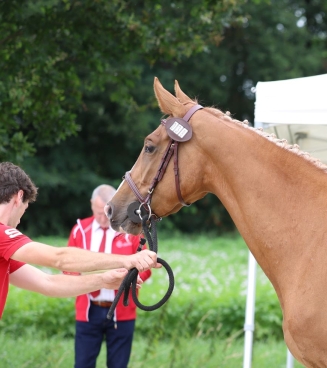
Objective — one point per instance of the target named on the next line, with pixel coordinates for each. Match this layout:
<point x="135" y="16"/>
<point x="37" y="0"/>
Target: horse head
<point x="162" y="179"/>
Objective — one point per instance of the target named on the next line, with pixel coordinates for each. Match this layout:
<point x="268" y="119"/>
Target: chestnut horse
<point x="275" y="193"/>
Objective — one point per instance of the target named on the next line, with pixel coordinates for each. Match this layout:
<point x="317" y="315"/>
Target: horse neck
<point x="272" y="194"/>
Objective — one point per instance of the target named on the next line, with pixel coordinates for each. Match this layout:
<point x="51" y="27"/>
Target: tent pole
<point x="290" y="360"/>
<point x="249" y="313"/>
<point x="249" y="317"/>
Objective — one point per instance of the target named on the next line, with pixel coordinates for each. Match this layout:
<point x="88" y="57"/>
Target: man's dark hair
<point x="12" y="180"/>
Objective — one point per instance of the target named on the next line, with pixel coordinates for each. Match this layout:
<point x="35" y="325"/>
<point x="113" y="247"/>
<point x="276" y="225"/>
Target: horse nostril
<point x="108" y="210"/>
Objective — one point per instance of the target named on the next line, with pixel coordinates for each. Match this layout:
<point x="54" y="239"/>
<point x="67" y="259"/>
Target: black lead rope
<point x="131" y="277"/>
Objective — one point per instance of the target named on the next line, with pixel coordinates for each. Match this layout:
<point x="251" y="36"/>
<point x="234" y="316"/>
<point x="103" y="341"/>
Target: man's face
<point x="97" y="206"/>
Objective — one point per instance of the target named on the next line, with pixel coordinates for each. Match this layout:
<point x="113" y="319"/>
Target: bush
<point x="209" y="296"/>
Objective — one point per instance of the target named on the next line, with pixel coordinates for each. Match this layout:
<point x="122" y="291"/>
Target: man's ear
<point x="20" y="195"/>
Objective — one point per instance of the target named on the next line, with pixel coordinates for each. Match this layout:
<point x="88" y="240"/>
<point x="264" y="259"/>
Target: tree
<point x="271" y="40"/>
<point x="261" y="41"/>
<point x="55" y="52"/>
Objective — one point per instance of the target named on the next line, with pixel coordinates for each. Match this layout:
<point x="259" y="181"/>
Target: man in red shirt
<point x="92" y="326"/>
<point x="17" y="250"/>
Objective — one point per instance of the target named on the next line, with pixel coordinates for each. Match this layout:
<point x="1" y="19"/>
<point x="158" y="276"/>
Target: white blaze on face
<point x="123" y="180"/>
<point x="120" y="185"/>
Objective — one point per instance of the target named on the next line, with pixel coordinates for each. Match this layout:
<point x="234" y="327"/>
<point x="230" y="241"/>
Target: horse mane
<point x="281" y="143"/>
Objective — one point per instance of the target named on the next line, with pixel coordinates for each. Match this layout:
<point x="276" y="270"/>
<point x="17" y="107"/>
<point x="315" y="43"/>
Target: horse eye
<point x="149" y="149"/>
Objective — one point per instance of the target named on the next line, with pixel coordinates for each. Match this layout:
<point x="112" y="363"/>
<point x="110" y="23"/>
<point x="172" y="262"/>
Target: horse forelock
<point x="281" y="143"/>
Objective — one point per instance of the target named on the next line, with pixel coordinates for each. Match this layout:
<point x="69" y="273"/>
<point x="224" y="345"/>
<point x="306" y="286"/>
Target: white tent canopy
<point x="296" y="110"/>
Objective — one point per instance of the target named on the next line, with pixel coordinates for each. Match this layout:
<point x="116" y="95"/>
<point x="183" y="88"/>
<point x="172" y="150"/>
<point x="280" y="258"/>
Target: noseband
<point x="178" y="130"/>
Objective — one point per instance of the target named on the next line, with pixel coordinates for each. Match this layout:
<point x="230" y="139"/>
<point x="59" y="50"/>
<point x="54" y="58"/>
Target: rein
<point x="130" y="279"/>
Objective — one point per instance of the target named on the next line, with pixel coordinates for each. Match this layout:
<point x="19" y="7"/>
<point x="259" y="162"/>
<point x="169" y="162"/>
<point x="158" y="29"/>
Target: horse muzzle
<point x="125" y="221"/>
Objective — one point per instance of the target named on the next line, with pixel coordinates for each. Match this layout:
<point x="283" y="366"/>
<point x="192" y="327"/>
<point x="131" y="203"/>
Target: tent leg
<point x="290" y="360"/>
<point x="249" y="313"/>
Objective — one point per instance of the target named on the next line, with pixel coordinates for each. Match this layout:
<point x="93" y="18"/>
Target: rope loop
<point x="130" y="280"/>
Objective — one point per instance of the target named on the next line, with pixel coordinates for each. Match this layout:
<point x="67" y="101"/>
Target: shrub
<point x="208" y="300"/>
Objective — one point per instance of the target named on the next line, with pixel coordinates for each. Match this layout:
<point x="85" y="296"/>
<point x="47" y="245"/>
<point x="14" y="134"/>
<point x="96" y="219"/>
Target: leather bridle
<point x="178" y="130"/>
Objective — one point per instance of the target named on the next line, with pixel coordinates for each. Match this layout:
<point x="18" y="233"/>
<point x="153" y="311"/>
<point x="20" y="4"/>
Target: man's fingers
<point x="119" y="272"/>
<point x="122" y="270"/>
<point x="145" y="260"/>
<point x="113" y="278"/>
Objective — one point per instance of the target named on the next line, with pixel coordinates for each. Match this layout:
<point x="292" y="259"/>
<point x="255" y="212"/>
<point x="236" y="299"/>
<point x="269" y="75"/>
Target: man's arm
<point x="80" y="260"/>
<point x="31" y="278"/>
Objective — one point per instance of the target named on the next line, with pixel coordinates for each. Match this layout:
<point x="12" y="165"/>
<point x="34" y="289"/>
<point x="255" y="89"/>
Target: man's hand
<point x="143" y="260"/>
<point x="139" y="282"/>
<point x="113" y="278"/>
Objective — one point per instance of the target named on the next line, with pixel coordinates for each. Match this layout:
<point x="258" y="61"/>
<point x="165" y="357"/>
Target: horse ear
<point x="168" y="103"/>
<point x="180" y="94"/>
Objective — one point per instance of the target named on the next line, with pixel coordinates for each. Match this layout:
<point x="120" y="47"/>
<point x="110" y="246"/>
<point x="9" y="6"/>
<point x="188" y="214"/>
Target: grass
<point x="200" y="326"/>
<point x="27" y="351"/>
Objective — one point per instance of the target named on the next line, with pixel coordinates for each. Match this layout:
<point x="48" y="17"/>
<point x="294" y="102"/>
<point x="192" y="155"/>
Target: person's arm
<point x="136" y="241"/>
<point x="32" y="279"/>
<point x="80" y="260"/>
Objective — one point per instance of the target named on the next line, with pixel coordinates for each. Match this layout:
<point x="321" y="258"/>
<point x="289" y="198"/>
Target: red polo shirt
<point x="11" y="239"/>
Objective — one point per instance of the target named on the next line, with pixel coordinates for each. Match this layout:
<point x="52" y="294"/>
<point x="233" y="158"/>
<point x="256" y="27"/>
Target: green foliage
<point x="200" y="326"/>
<point x="28" y="350"/>
<point x="208" y="300"/>
<point x="84" y="70"/>
<point x="271" y="41"/>
<point x="53" y="52"/>
<point x="48" y="316"/>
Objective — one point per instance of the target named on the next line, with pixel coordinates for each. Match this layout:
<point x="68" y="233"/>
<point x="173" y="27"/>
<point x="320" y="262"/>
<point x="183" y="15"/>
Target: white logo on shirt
<point x="12" y="233"/>
<point x="125" y="243"/>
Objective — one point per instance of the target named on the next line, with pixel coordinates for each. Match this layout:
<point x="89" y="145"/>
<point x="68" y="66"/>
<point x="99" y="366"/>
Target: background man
<point x="92" y="326"/>
<point x="16" y="192"/>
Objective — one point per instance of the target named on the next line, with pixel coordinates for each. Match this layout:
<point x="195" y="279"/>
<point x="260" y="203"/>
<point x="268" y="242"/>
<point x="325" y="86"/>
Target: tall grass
<point x="200" y="326"/>
<point x="29" y="351"/>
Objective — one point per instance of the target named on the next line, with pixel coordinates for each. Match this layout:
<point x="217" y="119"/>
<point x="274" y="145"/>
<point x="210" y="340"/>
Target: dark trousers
<point x="89" y="337"/>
